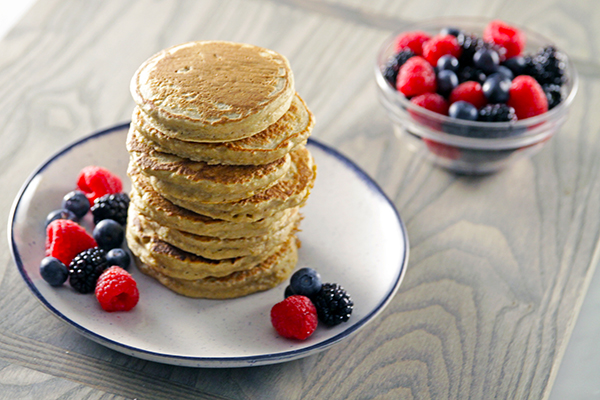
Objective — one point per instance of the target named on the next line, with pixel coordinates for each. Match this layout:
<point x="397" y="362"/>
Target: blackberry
<point x="111" y="206"/>
<point x="554" y="95"/>
<point x="552" y="65"/>
<point x="497" y="113"/>
<point x="470" y="73"/>
<point x="86" y="268"/>
<point x="393" y="65"/>
<point x="469" y="44"/>
<point x="333" y="304"/>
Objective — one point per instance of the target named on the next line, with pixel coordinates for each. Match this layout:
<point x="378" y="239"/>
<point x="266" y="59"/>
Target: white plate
<point x="351" y="234"/>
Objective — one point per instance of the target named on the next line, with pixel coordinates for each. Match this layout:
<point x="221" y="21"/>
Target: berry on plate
<point x="413" y="41"/>
<point x="85" y="269"/>
<point x="77" y="202"/>
<point x="65" y="239"/>
<point x="109" y="234"/>
<point x="111" y="206"/>
<point x="432" y="102"/>
<point x="305" y="282"/>
<point x="416" y="77"/>
<point x="469" y="91"/>
<point x="333" y="304"/>
<point x="53" y="271"/>
<point x="295" y="317"/>
<point x="506" y="36"/>
<point x="96" y="181"/>
<point x="60" y="214"/>
<point x="527" y="97"/>
<point x="440" y="45"/>
<point x="118" y="257"/>
<point x="116" y="290"/>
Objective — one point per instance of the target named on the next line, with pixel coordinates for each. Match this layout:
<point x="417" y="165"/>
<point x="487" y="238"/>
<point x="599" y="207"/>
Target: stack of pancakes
<point x="219" y="168"/>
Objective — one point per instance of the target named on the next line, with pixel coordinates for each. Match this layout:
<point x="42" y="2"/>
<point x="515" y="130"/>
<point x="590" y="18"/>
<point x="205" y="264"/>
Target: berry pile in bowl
<point x="474" y="95"/>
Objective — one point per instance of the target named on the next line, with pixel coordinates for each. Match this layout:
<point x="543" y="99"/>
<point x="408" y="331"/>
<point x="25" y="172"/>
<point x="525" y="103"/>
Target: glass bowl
<point x="462" y="146"/>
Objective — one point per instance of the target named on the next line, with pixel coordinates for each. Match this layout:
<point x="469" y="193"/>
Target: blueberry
<point x="503" y="70"/>
<point x="53" y="271"/>
<point x="496" y="88"/>
<point x="109" y="234"/>
<point x="118" y="257"/>
<point x="486" y="60"/>
<point x="60" y="214"/>
<point x="516" y="64"/>
<point x="76" y="202"/>
<point x="463" y="110"/>
<point x="450" y="30"/>
<point x="447" y="62"/>
<point x="446" y="81"/>
<point x="288" y="292"/>
<point x="305" y="282"/>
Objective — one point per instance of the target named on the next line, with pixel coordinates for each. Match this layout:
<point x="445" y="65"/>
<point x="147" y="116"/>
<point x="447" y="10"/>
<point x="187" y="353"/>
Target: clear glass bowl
<point x="462" y="146"/>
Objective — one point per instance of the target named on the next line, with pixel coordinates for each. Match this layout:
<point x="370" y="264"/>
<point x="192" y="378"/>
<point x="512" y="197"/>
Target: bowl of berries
<point x="474" y="95"/>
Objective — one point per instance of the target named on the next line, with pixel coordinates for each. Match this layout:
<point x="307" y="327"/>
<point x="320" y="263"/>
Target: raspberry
<point x="65" y="239"/>
<point x="333" y="304"/>
<point x="442" y="150"/>
<point x="506" y="36"/>
<point x="527" y="97"/>
<point x="295" y="317"/>
<point x="86" y="268"/>
<point x="469" y="91"/>
<point x="97" y="181"/>
<point x="431" y="101"/>
<point x="439" y="46"/>
<point x="111" y="206"/>
<point x="116" y="290"/>
<point x="416" y="77"/>
<point x="413" y="41"/>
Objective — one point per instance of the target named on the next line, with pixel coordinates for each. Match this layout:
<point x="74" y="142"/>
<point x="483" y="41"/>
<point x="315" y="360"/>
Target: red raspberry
<point x="416" y="77"/>
<point x="65" y="239"/>
<point x="442" y="150"/>
<point x="97" y="181"/>
<point x="527" y="97"/>
<point x="469" y="91"/>
<point x="507" y="36"/>
<point x="412" y="40"/>
<point x="432" y="101"/>
<point x="116" y="290"/>
<point x="440" y="45"/>
<point x="295" y="317"/>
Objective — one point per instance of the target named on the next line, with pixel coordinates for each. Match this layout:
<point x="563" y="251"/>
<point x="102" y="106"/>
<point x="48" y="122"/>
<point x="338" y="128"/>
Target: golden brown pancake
<point x="214" y="91"/>
<point x="274" y="142"/>
<point x="290" y="191"/>
<point x="200" y="181"/>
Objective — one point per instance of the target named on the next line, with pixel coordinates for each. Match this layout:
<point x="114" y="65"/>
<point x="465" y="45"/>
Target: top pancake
<point x="214" y="91"/>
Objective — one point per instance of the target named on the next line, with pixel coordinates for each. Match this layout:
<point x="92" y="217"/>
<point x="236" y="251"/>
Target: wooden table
<point x="499" y="265"/>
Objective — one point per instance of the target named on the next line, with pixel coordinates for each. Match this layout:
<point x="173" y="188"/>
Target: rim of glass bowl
<point x="538" y="127"/>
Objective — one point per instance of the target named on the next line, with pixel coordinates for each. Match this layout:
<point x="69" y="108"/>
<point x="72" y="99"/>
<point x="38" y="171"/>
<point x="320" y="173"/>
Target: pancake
<point x="174" y="262"/>
<point x="214" y="91"/>
<point x="290" y="191"/>
<point x="215" y="248"/>
<point x="268" y="274"/>
<point x="199" y="181"/>
<point x="152" y="205"/>
<point x="274" y="142"/>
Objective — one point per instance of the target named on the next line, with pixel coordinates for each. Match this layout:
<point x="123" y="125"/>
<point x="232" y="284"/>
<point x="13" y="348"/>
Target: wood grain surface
<point x="499" y="264"/>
